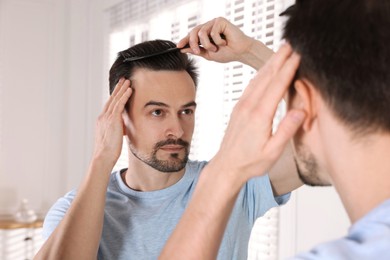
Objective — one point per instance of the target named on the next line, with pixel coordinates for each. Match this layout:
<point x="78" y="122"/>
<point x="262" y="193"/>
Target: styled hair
<point x="171" y="61"/>
<point x="345" y="52"/>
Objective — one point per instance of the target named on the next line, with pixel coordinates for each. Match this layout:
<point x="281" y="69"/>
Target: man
<point x="338" y="102"/>
<point x="130" y="214"/>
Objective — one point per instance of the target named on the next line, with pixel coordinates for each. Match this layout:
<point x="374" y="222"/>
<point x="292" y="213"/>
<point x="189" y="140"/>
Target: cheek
<point x="138" y="132"/>
<point x="188" y="127"/>
<point x="144" y="138"/>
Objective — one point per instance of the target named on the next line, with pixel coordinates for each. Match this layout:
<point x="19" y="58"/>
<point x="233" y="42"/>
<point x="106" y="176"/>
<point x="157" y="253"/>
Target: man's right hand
<point x="78" y="234"/>
<point x="109" y="126"/>
<point x="235" y="47"/>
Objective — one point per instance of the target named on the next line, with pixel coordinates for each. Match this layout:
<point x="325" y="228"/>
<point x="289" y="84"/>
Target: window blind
<point x="129" y="11"/>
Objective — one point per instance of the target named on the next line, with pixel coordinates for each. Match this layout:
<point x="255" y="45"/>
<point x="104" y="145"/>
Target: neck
<point x="360" y="172"/>
<point x="142" y="177"/>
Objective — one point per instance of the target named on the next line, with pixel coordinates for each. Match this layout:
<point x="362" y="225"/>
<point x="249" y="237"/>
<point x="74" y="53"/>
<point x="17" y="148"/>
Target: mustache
<point x="171" y="141"/>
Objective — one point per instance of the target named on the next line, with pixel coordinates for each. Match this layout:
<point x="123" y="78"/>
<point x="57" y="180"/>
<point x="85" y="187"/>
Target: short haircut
<point x="345" y="51"/>
<point x="170" y="61"/>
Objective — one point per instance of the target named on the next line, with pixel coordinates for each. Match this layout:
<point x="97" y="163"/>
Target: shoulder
<point x="57" y="212"/>
<point x="368" y="238"/>
<point x="195" y="166"/>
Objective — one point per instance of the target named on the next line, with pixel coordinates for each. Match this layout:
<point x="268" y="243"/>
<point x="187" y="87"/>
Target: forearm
<point x="78" y="234"/>
<point x="257" y="55"/>
<point x="200" y="230"/>
<point x="284" y="174"/>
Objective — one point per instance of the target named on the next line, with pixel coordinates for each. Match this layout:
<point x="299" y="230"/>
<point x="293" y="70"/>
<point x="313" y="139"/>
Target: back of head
<point x="145" y="59"/>
<point x="345" y="53"/>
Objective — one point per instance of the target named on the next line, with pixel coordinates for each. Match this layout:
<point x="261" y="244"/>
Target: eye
<point x="187" y="112"/>
<point x="157" y="112"/>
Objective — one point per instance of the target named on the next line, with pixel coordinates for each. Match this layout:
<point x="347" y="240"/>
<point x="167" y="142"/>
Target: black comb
<point x="166" y="51"/>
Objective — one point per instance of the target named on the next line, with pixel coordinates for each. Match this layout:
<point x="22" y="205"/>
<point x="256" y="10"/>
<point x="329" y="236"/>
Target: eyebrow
<point x="161" y="104"/>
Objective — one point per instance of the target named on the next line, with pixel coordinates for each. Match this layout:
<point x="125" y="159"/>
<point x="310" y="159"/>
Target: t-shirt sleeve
<point x="367" y="239"/>
<point x="56" y="214"/>
<point x="344" y="248"/>
<point x="258" y="197"/>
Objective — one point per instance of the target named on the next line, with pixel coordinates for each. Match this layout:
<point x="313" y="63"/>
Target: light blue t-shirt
<point x="367" y="239"/>
<point x="138" y="224"/>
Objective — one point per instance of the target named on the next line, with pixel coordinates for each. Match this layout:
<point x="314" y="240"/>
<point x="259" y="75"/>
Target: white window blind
<point x="132" y="22"/>
<point x="20" y="243"/>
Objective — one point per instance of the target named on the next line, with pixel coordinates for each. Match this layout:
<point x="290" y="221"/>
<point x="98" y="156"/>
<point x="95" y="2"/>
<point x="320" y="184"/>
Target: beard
<point x="173" y="164"/>
<point x="307" y="167"/>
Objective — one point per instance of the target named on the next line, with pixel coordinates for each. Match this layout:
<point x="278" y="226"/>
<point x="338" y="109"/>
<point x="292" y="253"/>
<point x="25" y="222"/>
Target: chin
<point x="312" y="179"/>
<point x="308" y="167"/>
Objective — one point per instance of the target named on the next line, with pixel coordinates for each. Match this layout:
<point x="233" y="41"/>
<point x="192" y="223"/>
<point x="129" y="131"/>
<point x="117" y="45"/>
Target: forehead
<point x="163" y="86"/>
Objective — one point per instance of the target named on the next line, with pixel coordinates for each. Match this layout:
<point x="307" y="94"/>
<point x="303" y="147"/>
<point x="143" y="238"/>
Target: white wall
<point x="51" y="91"/>
<point x="313" y="215"/>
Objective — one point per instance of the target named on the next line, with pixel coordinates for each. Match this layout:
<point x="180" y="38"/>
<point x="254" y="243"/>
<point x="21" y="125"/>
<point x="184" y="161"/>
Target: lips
<point x="173" y="148"/>
<point x="171" y="145"/>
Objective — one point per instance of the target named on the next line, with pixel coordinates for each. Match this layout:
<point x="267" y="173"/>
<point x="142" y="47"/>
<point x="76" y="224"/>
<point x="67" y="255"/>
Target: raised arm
<point x="78" y="234"/>
<point x="235" y="47"/>
<point x="247" y="150"/>
<point x="284" y="173"/>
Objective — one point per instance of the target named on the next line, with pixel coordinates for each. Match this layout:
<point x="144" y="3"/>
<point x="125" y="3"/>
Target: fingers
<point x="208" y="35"/>
<point x="286" y="130"/>
<point x="216" y="35"/>
<point x="277" y="60"/>
<point x="261" y="98"/>
<point x="193" y="40"/>
<point x="120" y="105"/>
<point x="119" y="97"/>
<point x="116" y="90"/>
<point x="282" y="69"/>
<point x="183" y="42"/>
<point x="264" y="76"/>
<point x="281" y="81"/>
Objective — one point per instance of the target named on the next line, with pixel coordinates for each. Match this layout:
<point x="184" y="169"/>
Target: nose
<point x="175" y="128"/>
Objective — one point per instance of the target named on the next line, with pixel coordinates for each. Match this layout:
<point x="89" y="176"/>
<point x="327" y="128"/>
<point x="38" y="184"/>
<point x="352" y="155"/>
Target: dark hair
<point x="344" y="48"/>
<point x="172" y="61"/>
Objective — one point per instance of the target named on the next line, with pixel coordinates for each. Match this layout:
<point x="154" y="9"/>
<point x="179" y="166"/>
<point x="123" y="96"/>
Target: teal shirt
<point x="138" y="224"/>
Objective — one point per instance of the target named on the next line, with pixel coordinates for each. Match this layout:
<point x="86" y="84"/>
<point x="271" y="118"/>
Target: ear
<point x="304" y="98"/>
